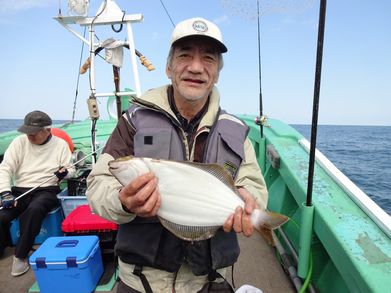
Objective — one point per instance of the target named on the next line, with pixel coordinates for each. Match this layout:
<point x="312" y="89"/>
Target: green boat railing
<point x="349" y="250"/>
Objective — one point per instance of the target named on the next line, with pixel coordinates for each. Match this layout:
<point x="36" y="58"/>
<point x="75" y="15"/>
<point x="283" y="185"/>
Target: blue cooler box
<point x="51" y="226"/>
<point x="68" y="264"/>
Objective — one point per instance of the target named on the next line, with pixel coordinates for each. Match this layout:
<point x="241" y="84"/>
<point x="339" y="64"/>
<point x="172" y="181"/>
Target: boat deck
<point x="257" y="266"/>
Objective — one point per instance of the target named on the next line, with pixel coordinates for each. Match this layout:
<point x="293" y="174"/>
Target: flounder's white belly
<point x="207" y="203"/>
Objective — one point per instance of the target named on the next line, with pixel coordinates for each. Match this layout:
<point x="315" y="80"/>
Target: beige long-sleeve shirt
<point x="27" y="165"/>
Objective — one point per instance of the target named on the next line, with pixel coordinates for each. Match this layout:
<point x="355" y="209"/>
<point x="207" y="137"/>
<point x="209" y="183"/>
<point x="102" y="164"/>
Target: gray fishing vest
<point x="144" y="241"/>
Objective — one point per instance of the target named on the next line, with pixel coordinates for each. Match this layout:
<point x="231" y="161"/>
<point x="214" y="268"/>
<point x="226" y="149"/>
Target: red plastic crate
<point x="82" y="220"/>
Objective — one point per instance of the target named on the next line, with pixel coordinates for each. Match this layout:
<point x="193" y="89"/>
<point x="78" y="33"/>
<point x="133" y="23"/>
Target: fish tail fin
<point x="265" y="221"/>
<point x="267" y="235"/>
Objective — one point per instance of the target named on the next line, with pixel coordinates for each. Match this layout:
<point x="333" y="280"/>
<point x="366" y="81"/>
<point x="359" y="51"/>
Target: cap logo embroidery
<point x="200" y="26"/>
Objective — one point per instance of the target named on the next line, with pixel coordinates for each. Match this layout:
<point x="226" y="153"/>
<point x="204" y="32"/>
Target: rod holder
<point x="307" y="219"/>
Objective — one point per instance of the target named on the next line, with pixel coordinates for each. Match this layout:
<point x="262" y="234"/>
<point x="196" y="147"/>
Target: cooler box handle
<point x="67" y="243"/>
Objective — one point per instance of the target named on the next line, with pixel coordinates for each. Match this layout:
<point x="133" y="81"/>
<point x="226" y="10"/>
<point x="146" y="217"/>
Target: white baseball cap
<point x="198" y="27"/>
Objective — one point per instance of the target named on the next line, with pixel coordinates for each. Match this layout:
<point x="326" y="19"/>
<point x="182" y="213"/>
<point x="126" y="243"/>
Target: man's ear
<point x="168" y="71"/>
<point x="217" y="77"/>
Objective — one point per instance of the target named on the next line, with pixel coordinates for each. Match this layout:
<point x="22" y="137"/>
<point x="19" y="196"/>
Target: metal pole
<point x="133" y="59"/>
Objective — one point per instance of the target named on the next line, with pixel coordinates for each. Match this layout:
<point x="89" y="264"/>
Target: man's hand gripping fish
<point x="196" y="199"/>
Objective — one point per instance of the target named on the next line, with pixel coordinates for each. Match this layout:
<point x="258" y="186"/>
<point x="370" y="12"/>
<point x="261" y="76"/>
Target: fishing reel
<point x="261" y="120"/>
<point x="77" y="157"/>
<point x="7" y="201"/>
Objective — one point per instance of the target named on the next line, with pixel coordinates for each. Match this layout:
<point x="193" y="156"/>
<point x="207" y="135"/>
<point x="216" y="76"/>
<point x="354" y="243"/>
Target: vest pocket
<point x="234" y="143"/>
<point x="138" y="241"/>
<point x="224" y="249"/>
<point x="145" y="242"/>
<point x="152" y="143"/>
<point x="230" y="153"/>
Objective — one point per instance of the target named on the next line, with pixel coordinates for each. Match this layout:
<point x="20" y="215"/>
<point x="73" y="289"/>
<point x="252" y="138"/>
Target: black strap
<point x="213" y="275"/>
<point x="138" y="272"/>
<point x="173" y="283"/>
<point x="232" y="277"/>
<point x="218" y="287"/>
<point x="116" y="263"/>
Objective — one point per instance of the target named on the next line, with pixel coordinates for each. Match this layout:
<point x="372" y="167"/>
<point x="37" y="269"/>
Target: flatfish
<point x="196" y="198"/>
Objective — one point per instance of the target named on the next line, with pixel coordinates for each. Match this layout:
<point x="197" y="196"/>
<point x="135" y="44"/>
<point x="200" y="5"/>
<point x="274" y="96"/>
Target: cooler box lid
<point x="65" y="252"/>
<point x="81" y="219"/>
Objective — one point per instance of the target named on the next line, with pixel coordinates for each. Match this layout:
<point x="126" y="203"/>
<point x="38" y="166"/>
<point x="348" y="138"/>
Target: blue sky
<point x="40" y="58"/>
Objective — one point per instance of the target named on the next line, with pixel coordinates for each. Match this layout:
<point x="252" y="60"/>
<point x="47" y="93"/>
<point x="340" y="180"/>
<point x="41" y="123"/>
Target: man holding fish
<point x="175" y="194"/>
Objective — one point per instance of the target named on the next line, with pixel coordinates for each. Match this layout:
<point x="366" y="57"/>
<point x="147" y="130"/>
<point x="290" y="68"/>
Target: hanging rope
<point x="161" y="1"/>
<point x="92" y="52"/>
<point x="78" y="78"/>
<point x="117" y="30"/>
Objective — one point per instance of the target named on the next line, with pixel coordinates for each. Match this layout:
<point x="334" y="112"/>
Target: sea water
<point x="362" y="153"/>
<point x="13" y="124"/>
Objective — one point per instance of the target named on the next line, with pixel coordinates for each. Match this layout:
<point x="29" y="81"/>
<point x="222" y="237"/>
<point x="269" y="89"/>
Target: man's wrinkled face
<point x="194" y="69"/>
<point x="40" y="137"/>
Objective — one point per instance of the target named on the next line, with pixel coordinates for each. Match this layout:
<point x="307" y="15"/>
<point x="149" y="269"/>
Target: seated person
<point x="29" y="161"/>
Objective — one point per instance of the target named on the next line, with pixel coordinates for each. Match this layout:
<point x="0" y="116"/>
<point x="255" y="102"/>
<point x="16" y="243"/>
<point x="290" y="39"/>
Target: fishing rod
<point x="51" y="177"/>
<point x="260" y="74"/>
<point x="315" y="110"/>
<point x="307" y="216"/>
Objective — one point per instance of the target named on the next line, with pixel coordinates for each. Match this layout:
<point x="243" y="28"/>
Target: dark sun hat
<point x="34" y="122"/>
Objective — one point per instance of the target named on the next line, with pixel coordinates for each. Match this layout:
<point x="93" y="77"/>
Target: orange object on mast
<point x="62" y="134"/>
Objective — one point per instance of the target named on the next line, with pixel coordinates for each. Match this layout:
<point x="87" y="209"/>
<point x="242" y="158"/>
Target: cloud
<point x="221" y="19"/>
<point x="17" y="5"/>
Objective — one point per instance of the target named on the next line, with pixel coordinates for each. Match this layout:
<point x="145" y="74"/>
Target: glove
<point x="61" y="173"/>
<point x="7" y="200"/>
